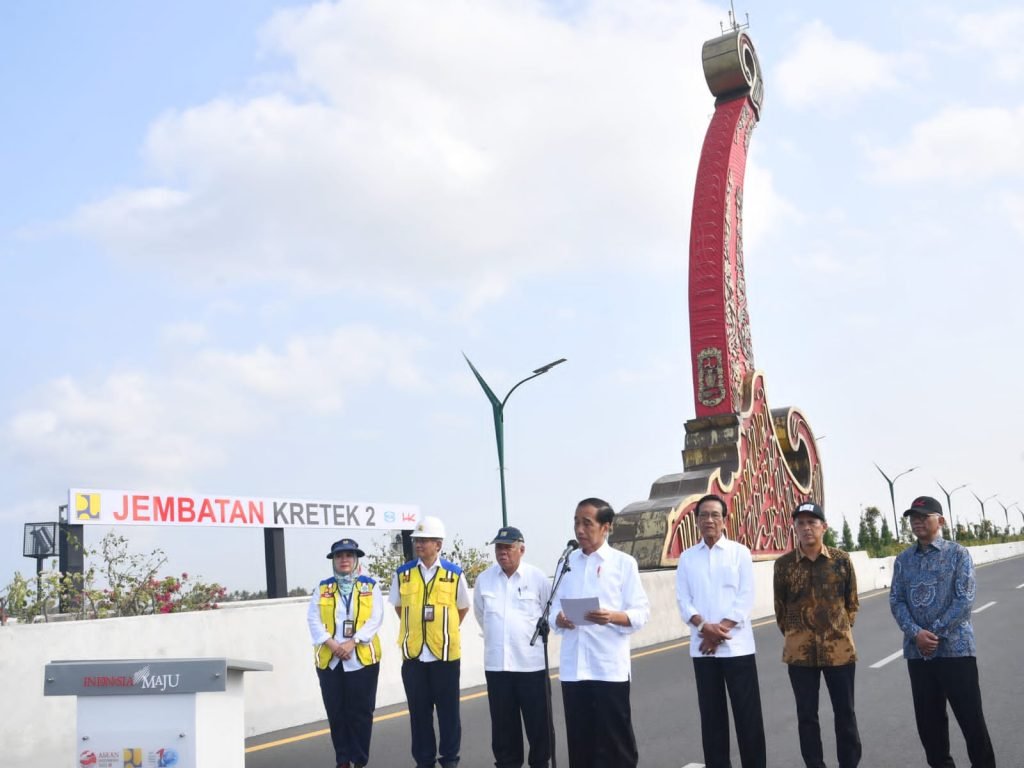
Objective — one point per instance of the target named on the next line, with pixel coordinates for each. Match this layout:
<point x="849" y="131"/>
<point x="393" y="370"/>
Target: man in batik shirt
<point x="931" y="599"/>
<point x="815" y="607"/>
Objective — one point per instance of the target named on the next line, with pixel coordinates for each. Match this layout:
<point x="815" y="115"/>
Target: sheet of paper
<point x="575" y="608"/>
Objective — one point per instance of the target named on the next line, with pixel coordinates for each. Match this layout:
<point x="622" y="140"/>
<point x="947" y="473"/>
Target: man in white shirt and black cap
<point x="715" y="592"/>
<point x="595" y="665"/>
<point x="507" y="601"/>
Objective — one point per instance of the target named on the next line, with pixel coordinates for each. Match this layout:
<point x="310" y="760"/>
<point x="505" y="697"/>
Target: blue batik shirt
<point x="933" y="588"/>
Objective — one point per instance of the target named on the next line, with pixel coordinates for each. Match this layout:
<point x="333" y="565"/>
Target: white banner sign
<point x="91" y="506"/>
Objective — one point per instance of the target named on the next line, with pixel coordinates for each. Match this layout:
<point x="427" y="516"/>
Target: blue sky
<point x="242" y="247"/>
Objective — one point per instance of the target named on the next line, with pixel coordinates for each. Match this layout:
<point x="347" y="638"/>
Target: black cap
<point x="924" y="505"/>
<point x="809" y="508"/>
<point x="508" y="535"/>
<point x="345" y="545"/>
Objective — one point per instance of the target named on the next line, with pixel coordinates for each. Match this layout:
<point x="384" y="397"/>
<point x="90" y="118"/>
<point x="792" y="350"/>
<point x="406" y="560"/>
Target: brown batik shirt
<point x="815" y="607"/>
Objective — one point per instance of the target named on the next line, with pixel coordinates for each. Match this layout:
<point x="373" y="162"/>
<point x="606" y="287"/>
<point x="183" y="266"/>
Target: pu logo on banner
<point x="87" y="506"/>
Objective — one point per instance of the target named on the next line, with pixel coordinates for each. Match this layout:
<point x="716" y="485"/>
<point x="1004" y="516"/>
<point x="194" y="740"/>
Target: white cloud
<point x="765" y="210"/>
<point x="1014" y="207"/>
<point x="997" y="33"/>
<point x="127" y="421"/>
<point x="165" y="425"/>
<point x="958" y="143"/>
<point x="184" y="333"/>
<point x="823" y="69"/>
<point x="317" y="371"/>
<point x="506" y="142"/>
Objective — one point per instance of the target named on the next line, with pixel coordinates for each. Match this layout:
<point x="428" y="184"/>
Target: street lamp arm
<point x="519" y="384"/>
<point x="487" y="390"/>
<point x="538" y="372"/>
<point x="950" y="492"/>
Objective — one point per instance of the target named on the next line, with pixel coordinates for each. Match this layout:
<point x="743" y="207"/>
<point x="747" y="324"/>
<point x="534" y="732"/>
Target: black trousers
<point x="738" y="676"/>
<point x="599" y="725"/>
<point x="933" y="683"/>
<point x="806" y="682"/>
<point x="518" y="700"/>
<point x="433" y="686"/>
<point x="349" y="698"/>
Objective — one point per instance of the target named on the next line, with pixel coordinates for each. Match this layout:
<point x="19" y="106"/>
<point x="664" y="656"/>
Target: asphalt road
<point x="664" y="702"/>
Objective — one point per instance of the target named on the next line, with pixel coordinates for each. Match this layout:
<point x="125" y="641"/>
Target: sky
<point x="244" y="245"/>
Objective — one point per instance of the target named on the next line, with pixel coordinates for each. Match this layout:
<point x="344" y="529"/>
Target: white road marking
<point x="1019" y="586"/>
<point x="887" y="659"/>
<point x="986" y="605"/>
<point x="694" y="765"/>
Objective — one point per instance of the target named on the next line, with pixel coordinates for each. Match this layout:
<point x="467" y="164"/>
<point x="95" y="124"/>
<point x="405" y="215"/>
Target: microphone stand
<point x="542" y="631"/>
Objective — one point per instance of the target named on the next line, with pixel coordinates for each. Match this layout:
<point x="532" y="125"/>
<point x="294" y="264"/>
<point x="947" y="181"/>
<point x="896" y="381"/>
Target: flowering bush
<point x="132" y="587"/>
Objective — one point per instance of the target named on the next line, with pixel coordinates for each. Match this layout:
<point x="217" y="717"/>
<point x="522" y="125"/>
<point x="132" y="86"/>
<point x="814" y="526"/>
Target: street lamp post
<point x="1006" y="513"/>
<point x="981" y="502"/>
<point x="1019" y="509"/>
<point x="892" y="496"/>
<point x="949" y="506"/>
<point x="498" y="407"/>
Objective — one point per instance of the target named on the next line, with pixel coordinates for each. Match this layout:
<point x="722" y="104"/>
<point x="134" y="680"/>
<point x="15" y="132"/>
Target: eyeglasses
<point x="709" y="516"/>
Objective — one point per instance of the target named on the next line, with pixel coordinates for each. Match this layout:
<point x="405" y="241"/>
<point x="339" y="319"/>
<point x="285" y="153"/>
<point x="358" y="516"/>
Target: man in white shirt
<point x="715" y="592"/>
<point x="431" y="599"/>
<point x="595" y="666"/>
<point x="507" y="601"/>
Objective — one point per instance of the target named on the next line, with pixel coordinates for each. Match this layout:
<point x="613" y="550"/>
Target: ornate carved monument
<point x="763" y="461"/>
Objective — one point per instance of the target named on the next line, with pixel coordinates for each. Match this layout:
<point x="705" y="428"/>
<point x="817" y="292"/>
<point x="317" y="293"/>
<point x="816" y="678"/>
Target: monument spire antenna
<point x="734" y="26"/>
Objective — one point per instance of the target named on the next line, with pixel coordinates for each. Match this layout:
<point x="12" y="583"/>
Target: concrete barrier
<point x="35" y="730"/>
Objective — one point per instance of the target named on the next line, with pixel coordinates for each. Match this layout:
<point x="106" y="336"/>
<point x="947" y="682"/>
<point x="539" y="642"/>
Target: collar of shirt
<point x="938" y="544"/>
<point x="801" y="556"/>
<point x="601" y="553"/>
<point x="515" y="574"/>
<point x="430" y="570"/>
<point x="720" y="543"/>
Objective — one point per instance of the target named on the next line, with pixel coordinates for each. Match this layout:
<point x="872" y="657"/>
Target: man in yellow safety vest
<point x="431" y="599"/>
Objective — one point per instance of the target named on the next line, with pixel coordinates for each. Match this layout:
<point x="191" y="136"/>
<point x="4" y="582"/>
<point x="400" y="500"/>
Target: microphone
<point x="569" y="547"/>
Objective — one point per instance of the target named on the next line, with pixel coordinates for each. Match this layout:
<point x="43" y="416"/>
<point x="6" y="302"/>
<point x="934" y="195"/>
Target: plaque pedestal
<point x="156" y="713"/>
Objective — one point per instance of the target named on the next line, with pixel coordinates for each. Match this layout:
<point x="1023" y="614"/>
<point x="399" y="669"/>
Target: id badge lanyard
<point x="348" y="626"/>
<point x="428" y="609"/>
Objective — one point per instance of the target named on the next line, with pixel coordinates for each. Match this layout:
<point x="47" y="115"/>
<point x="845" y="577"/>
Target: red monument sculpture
<point x="762" y="460"/>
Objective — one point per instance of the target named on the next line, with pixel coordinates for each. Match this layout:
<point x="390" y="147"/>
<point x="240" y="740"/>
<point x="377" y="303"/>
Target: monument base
<point x="762" y="461"/>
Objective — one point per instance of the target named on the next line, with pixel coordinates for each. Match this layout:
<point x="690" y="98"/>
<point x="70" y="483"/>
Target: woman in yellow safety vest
<point x="344" y="615"/>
